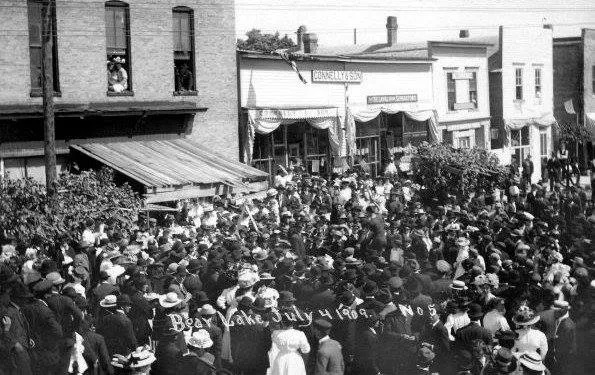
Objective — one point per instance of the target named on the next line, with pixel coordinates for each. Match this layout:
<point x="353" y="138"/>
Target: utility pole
<point x="47" y="80"/>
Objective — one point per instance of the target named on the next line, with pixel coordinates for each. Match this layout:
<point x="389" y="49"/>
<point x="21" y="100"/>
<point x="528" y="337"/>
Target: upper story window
<point x="518" y="81"/>
<point x="451" y="87"/>
<point x="35" y="15"/>
<point x="538" y="82"/>
<point x="184" y="68"/>
<point x="473" y="89"/>
<point x="117" y="33"/>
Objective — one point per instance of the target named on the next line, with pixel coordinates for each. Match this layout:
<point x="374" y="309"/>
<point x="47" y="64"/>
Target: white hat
<point x="151" y="296"/>
<point x="207" y="310"/>
<point x="115" y="270"/>
<point x="108" y="301"/>
<point x="532" y="361"/>
<point x="200" y="339"/>
<point x="170" y="299"/>
<point x="271" y="192"/>
<point x="462" y="241"/>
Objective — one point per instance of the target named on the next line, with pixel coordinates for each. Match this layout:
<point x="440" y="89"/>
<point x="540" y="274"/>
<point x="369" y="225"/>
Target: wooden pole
<point x="47" y="78"/>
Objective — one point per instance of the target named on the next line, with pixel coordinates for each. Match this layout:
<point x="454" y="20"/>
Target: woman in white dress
<point x="288" y="343"/>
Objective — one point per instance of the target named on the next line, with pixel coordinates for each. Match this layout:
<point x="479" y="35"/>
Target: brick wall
<point x="82" y="57"/>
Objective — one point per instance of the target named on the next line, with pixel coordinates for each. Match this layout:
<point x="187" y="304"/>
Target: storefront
<point x="310" y="137"/>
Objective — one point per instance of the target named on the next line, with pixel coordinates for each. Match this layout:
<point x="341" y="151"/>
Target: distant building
<point x="375" y="99"/>
<point x="574" y="82"/>
<point x="521" y="96"/>
<point x="172" y="77"/>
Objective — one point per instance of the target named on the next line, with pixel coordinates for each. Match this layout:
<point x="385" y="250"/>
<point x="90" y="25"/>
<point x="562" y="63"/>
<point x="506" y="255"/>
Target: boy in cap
<point x="329" y="357"/>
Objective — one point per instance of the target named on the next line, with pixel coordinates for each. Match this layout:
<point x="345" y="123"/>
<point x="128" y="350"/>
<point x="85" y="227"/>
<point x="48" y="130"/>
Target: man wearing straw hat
<point x="196" y="360"/>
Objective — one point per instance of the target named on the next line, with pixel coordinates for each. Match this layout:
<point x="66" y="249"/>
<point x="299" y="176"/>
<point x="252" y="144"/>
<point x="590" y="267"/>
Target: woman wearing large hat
<point x="529" y="339"/>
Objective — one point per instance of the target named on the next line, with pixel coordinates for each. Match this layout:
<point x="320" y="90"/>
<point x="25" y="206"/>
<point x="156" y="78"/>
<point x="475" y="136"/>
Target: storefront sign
<point x="382" y="99"/>
<point x="336" y="76"/>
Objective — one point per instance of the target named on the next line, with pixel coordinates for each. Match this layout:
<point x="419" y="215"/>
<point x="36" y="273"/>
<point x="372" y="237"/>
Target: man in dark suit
<point x="192" y="282"/>
<point x="366" y="350"/>
<point x="465" y="336"/>
<point x="435" y="333"/>
<point x="207" y="319"/>
<point x="324" y="298"/>
<point x="104" y="288"/>
<point x="116" y="327"/>
<point x="329" y="357"/>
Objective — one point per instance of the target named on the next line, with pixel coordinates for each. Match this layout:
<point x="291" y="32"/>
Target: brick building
<point x="574" y="79"/>
<point x="179" y="58"/>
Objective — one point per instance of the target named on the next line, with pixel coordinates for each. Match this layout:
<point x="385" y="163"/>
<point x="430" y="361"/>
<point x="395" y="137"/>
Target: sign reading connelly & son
<point x="382" y="99"/>
<point x="336" y="76"/>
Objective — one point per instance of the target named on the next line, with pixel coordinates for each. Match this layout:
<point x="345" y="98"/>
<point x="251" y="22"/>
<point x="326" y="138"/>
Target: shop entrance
<point x="293" y="144"/>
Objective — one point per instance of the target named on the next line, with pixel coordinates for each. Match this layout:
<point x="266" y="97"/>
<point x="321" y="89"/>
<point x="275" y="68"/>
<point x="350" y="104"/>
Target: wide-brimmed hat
<point x="109" y="301"/>
<point x="170" y="299"/>
<point x="474" y="311"/>
<point x="286" y="296"/>
<point x="462" y="241"/>
<point x="207" y="310"/>
<point x="458" y="285"/>
<point x="266" y="276"/>
<point x="532" y="360"/>
<point x="118" y="60"/>
<point x="352" y="261"/>
<point x="525" y="316"/>
<point x="55" y="278"/>
<point x="271" y="192"/>
<point x="139" y="358"/>
<point x="259" y="253"/>
<point x="200" y="339"/>
<point x="151" y="296"/>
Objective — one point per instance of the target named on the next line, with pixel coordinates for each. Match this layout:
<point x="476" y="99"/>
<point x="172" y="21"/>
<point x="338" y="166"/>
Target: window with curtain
<point x="35" y="17"/>
<point x="117" y="33"/>
<point x="183" y="32"/>
<point x="473" y="89"/>
<point x="518" y="80"/>
<point x="452" y="91"/>
<point x="538" y="82"/>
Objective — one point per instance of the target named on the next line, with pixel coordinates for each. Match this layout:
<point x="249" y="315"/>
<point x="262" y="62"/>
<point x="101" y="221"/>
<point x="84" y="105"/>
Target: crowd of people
<point x="346" y="275"/>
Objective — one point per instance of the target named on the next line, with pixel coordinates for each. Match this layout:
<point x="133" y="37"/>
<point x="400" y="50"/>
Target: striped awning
<point x="171" y="170"/>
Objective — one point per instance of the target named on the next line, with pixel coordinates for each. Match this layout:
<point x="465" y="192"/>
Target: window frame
<point x="537" y="83"/>
<point x="191" y="32"/>
<point x="474" y="80"/>
<point x="128" y="55"/>
<point x="450" y="105"/>
<point x="34" y="91"/>
<point x="518" y="83"/>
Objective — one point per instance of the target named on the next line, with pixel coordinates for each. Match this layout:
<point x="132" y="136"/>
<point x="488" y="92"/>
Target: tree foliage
<point x="257" y="41"/>
<point x="29" y="216"/>
<point x="439" y="166"/>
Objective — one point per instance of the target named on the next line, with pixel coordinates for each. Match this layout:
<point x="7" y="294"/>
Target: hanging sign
<point x="383" y="99"/>
<point x="337" y="76"/>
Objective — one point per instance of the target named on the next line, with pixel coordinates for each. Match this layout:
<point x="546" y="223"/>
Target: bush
<point x="30" y="217"/>
<point x="437" y="166"/>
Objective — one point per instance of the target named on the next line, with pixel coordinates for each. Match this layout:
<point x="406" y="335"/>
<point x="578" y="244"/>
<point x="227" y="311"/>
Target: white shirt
<point x="456" y="322"/>
<point x="530" y="340"/>
<point x="494" y="321"/>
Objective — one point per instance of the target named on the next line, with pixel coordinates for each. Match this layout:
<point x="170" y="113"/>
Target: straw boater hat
<point x="200" y="339"/>
<point x="139" y="358"/>
<point x="525" y="316"/>
<point x="170" y="299"/>
<point x="55" y="278"/>
<point x="532" y="360"/>
<point x="207" y="310"/>
<point x="109" y="301"/>
<point x="463" y="241"/>
<point x="458" y="285"/>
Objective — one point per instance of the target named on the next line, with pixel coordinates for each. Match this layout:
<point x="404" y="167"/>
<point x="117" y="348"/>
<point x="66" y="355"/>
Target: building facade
<point x="132" y="70"/>
<point x="521" y="96"/>
<point x="574" y="85"/>
<point x="461" y="94"/>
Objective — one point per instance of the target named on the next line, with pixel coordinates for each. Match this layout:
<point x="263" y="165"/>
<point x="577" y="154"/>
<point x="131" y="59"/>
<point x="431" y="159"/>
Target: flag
<point x="285" y="56"/>
<point x="569" y="107"/>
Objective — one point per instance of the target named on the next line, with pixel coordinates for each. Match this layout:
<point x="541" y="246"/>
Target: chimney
<point x="463" y="33"/>
<point x="310" y="43"/>
<point x="391" y="30"/>
<point x="300" y="36"/>
<point x="548" y="26"/>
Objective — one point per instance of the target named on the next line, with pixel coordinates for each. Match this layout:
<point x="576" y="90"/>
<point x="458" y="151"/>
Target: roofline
<point x="458" y="44"/>
<point x="351" y="59"/>
<point x="569" y="40"/>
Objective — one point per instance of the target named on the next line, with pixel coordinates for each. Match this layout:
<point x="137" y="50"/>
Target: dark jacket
<point x="68" y="315"/>
<point x="250" y="345"/>
<point x="192" y="283"/>
<point x="329" y="359"/>
<point x="45" y="332"/>
<point x="95" y="343"/>
<point x="366" y="353"/>
<point x="140" y="313"/>
<point x="472" y="331"/>
<point x="191" y="364"/>
<point x="118" y="332"/>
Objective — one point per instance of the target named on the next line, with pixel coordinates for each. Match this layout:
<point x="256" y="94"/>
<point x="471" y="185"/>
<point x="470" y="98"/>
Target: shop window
<point x="538" y="82"/>
<point x="519" y="143"/>
<point x="465" y="139"/>
<point x="414" y="132"/>
<point x="473" y="89"/>
<point x="261" y="152"/>
<point x="184" y="67"/>
<point x="34" y="10"/>
<point x="518" y="80"/>
<point x="452" y="91"/>
<point x="117" y="32"/>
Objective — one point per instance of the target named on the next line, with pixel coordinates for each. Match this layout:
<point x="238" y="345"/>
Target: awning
<point x="544" y="120"/>
<point x="175" y="169"/>
<point x="266" y="120"/>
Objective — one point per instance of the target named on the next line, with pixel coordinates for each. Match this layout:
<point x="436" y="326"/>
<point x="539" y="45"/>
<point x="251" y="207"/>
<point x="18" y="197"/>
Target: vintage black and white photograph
<point x="297" y="187"/>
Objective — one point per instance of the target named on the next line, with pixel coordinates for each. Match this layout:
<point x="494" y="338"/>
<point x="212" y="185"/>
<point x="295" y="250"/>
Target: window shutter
<point x="479" y="138"/>
<point x="447" y="137"/>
